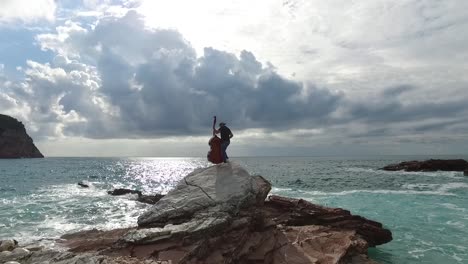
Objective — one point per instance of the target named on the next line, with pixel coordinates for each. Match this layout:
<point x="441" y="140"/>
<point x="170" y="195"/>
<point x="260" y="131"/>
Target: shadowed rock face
<point x="14" y="141"/>
<point x="149" y="199"/>
<point x="429" y="165"/>
<point x="221" y="215"/>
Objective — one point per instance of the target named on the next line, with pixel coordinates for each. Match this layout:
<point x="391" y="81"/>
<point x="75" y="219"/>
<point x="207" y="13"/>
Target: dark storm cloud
<point x="158" y="86"/>
<point x="390" y="106"/>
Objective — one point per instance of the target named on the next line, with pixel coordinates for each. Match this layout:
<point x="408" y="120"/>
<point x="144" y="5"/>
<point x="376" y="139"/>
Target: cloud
<point x="117" y="77"/>
<point x="27" y="11"/>
<point x="123" y="80"/>
<point x="394" y="104"/>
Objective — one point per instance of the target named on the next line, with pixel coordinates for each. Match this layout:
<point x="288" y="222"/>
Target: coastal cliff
<point x="14" y="141"/>
<point x="222" y="214"/>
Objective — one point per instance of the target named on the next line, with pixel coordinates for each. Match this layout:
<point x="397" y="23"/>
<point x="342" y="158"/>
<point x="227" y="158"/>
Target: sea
<point x="427" y="212"/>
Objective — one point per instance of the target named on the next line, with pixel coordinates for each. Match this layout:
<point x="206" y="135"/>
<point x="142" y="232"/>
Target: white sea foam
<point x="453" y="207"/>
<point x="457" y="224"/>
<point x="410" y="189"/>
<point x="70" y="208"/>
<point x="453" y="185"/>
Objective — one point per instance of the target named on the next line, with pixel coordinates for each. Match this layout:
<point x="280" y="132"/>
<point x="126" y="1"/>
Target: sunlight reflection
<point x="159" y="175"/>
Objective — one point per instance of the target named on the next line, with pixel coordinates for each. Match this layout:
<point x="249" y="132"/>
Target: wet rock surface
<point x="221" y="215"/>
<point x="142" y="198"/>
<point x="429" y="165"/>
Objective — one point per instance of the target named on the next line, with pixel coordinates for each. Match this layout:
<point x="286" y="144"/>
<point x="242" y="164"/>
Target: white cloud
<point x="27" y="11"/>
<point x="353" y="46"/>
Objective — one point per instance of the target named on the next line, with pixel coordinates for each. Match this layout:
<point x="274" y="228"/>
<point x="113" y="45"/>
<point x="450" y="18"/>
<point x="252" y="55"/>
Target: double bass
<point x="214" y="154"/>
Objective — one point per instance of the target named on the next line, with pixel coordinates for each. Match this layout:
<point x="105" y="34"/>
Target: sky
<point x="289" y="77"/>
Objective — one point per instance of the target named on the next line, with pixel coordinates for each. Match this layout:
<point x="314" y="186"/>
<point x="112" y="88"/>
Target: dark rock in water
<point x="298" y="212"/>
<point x="121" y="191"/>
<point x="83" y="184"/>
<point x="429" y="165"/>
<point x="465" y="173"/>
<point x="150" y="199"/>
<point x="14" y="141"/>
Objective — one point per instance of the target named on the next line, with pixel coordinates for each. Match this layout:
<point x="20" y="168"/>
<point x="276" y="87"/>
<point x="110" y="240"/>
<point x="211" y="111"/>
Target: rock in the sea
<point x="14" y="141"/>
<point x="149" y="199"/>
<point x="222" y="189"/>
<point x="84" y="184"/>
<point x="465" y="173"/>
<point x="122" y="191"/>
<point x="298" y="212"/>
<point x="429" y="165"/>
<point x="8" y="245"/>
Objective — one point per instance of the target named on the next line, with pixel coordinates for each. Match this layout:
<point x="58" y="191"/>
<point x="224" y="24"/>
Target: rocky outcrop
<point x="223" y="189"/>
<point x="14" y="141"/>
<point x="122" y="191"/>
<point x="221" y="215"/>
<point x="83" y="184"/>
<point x="429" y="165"/>
<point x="142" y="198"/>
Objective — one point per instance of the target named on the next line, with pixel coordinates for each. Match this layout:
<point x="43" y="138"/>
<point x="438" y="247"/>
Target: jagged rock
<point x="8" y="245"/>
<point x="93" y="240"/>
<point x="83" y="184"/>
<point x="20" y="252"/>
<point x="17" y="254"/>
<point x="150" y="199"/>
<point x="227" y="186"/>
<point x="122" y="191"/>
<point x="14" y="141"/>
<point x="429" y="165"/>
<point x="298" y="212"/>
<point x="57" y="257"/>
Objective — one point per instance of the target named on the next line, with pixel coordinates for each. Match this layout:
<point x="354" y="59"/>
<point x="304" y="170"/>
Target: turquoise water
<point x="427" y="212"/>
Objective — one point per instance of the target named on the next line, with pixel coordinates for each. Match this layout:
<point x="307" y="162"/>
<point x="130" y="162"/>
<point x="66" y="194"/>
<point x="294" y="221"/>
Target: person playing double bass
<point x="226" y="136"/>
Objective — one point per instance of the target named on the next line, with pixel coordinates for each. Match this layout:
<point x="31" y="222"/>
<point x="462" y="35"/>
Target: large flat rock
<point x="227" y="186"/>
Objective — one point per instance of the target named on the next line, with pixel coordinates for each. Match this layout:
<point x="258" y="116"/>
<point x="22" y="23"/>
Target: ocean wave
<point x="410" y="189"/>
<point x="453" y="207"/>
<point x="58" y="209"/>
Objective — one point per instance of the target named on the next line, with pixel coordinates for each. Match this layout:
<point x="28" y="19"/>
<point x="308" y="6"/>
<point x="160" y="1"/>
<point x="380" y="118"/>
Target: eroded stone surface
<point x="228" y="186"/>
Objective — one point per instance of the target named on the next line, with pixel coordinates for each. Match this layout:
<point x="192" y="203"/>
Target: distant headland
<point x="14" y="141"/>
